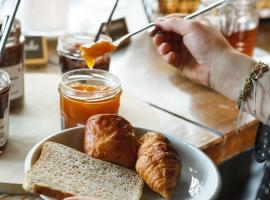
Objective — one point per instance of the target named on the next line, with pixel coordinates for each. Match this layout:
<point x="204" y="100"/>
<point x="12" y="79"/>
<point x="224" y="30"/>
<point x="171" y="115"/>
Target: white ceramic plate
<point x="200" y="179"/>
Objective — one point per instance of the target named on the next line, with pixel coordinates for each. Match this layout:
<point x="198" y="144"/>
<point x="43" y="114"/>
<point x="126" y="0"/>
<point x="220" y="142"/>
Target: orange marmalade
<point x="96" y="49"/>
<point x="86" y="92"/>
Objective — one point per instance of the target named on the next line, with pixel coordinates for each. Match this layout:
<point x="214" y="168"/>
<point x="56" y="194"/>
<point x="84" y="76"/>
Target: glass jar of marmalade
<point x="4" y="108"/>
<point x="70" y="58"/>
<point x="238" y="21"/>
<point x="13" y="63"/>
<point x="86" y="92"/>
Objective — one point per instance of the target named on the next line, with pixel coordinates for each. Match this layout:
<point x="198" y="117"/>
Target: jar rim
<point x="86" y="74"/>
<point x="67" y="44"/>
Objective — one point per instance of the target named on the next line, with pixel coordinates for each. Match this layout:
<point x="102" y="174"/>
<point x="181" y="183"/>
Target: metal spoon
<point x="123" y="39"/>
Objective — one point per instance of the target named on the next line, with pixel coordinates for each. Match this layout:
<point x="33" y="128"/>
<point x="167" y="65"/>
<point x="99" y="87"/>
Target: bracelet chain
<point x="257" y="71"/>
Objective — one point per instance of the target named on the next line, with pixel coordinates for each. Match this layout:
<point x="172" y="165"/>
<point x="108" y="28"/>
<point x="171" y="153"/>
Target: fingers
<point x="159" y="39"/>
<point x="179" y="15"/>
<point x="203" y="20"/>
<point x="170" y="57"/>
<point x="167" y="49"/>
<point x="173" y="15"/>
<point x="166" y="37"/>
<point x="176" y="25"/>
<point x="181" y="26"/>
<point x="164" y="48"/>
<point x="168" y="52"/>
<point x="157" y="30"/>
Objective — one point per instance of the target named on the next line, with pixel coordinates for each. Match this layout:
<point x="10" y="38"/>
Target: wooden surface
<point x="263" y="37"/>
<point x="40" y="117"/>
<point x="145" y="79"/>
<point x="152" y="80"/>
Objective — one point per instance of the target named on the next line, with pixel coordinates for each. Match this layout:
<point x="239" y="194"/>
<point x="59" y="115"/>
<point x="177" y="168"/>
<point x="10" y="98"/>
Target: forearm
<point x="229" y="79"/>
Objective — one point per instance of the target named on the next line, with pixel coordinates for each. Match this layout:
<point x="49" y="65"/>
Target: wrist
<point x="228" y="76"/>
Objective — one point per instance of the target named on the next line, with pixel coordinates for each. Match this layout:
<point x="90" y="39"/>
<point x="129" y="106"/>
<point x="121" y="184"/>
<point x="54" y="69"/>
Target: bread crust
<point x="111" y="138"/>
<point x="57" y="194"/>
<point x="62" y="172"/>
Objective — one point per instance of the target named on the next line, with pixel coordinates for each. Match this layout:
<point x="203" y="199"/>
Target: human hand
<point x="203" y="55"/>
<point x="196" y="48"/>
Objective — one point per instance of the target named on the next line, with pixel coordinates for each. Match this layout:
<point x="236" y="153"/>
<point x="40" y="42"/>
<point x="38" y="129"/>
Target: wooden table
<point x="145" y="78"/>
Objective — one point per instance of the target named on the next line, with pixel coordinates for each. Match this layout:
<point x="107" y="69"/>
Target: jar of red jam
<point x="70" y="57"/>
<point x="86" y="92"/>
<point x="4" y="108"/>
<point x="13" y="63"/>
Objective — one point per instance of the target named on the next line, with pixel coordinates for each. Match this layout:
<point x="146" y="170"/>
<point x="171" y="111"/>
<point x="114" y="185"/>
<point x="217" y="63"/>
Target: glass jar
<point x="156" y="8"/>
<point x="238" y="21"/>
<point x="70" y="57"/>
<point x="13" y="63"/>
<point x="4" y="108"/>
<point x="86" y="92"/>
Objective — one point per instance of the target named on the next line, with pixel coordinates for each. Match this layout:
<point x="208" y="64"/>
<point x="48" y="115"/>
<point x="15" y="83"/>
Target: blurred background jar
<point x="13" y="63"/>
<point x="238" y="21"/>
<point x="157" y="8"/>
<point x="4" y="108"/>
<point x="70" y="58"/>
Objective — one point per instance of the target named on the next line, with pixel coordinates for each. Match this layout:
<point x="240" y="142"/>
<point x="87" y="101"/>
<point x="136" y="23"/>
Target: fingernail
<point x="153" y="32"/>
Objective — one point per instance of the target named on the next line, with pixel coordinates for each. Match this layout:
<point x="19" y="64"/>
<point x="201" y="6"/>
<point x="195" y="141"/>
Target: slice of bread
<point x="62" y="172"/>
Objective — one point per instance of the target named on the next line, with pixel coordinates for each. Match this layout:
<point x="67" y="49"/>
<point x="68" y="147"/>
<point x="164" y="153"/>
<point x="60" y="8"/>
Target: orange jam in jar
<point x="86" y="92"/>
<point x="70" y="57"/>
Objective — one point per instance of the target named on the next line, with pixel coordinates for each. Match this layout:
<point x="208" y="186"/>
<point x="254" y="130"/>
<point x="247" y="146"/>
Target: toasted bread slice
<point x="62" y="172"/>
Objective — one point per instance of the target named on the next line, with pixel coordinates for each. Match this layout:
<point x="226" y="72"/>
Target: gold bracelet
<point x="257" y="71"/>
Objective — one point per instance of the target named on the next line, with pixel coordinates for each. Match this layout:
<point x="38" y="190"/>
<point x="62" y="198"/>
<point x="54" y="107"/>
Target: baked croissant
<point x="158" y="164"/>
<point x="111" y="138"/>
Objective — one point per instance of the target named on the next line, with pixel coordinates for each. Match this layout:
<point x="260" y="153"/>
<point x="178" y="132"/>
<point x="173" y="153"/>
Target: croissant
<point x="158" y="164"/>
<point x="111" y="138"/>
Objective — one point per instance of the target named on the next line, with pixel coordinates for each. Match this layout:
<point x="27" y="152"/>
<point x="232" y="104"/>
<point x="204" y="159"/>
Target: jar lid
<point x="69" y="45"/>
<point x="4" y="81"/>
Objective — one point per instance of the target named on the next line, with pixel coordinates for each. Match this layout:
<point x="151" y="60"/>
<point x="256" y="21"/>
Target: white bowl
<point x="200" y="179"/>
